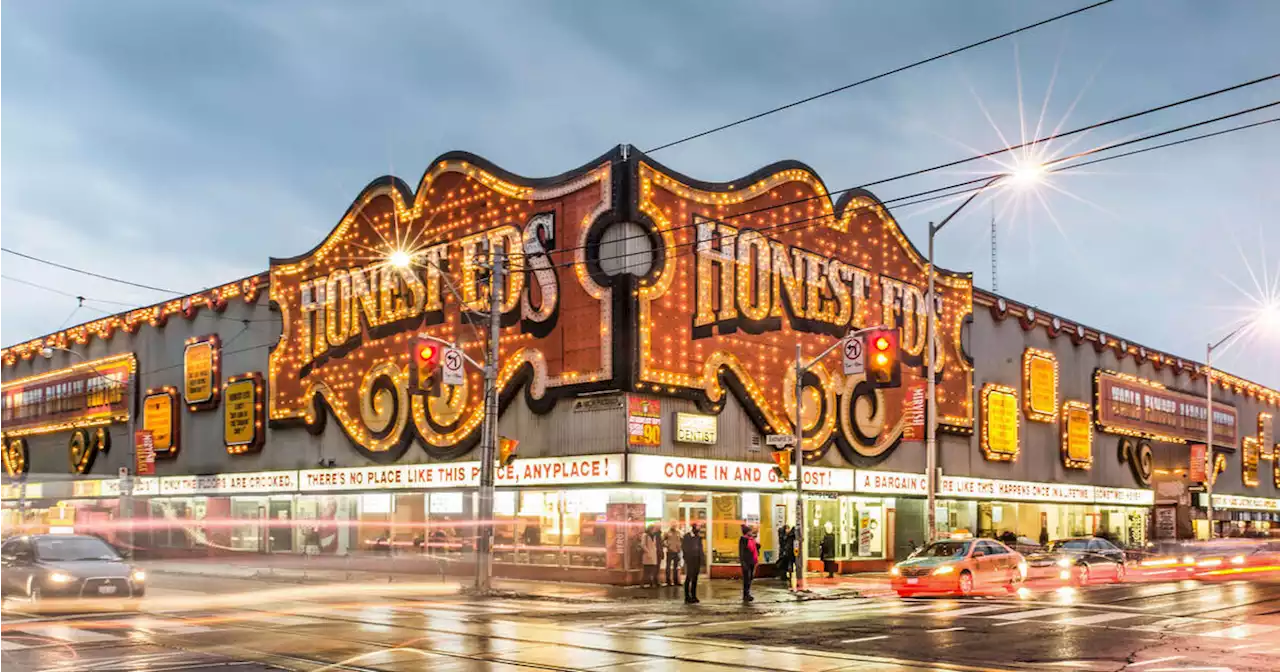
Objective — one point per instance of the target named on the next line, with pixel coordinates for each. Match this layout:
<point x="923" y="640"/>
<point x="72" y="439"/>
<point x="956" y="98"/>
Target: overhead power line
<point x="989" y="154"/>
<point x="88" y="273"/>
<point x="66" y="294"/>
<point x="932" y="195"/>
<point x="882" y="75"/>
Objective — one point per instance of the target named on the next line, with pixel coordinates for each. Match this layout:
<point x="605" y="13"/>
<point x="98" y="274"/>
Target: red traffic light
<point x="882" y="343"/>
<point x="424" y="359"/>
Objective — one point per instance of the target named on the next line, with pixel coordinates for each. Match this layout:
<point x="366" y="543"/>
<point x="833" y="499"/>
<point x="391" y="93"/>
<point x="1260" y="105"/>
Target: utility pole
<point x="489" y="431"/>
<point x="803" y="554"/>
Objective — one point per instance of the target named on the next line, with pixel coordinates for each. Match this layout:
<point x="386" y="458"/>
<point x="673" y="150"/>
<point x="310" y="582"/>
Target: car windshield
<point x="944" y="549"/>
<point x="1068" y="545"/>
<point x="74" y="548"/>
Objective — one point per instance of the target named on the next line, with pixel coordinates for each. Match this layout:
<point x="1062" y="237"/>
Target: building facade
<point x="650" y="325"/>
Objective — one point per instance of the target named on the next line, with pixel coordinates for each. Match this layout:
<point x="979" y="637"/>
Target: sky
<point x="183" y="144"/>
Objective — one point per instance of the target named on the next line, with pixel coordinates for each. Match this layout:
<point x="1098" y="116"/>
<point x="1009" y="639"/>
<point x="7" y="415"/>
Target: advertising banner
<point x="1137" y="407"/>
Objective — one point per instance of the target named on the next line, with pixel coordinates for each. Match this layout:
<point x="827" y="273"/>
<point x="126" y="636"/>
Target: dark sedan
<point x="1079" y="560"/>
<point x="61" y="568"/>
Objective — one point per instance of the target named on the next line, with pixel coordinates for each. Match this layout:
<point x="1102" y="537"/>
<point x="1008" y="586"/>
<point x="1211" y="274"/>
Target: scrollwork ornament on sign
<point x="1138" y="455"/>
<point x="15" y="457"/>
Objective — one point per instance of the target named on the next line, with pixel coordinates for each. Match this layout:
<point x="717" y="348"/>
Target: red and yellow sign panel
<point x="403" y="261"/>
<point x="644" y="421"/>
<point x="750" y="268"/>
<point x="1040" y="385"/>
<point x="1077" y="435"/>
<point x="999" y="422"/>
<point x="1135" y="406"/>
<point x="87" y="394"/>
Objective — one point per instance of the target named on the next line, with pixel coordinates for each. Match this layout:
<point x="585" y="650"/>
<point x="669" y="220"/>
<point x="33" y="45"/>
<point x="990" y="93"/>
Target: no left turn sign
<point x="854" y="356"/>
<point x="451" y="367"/>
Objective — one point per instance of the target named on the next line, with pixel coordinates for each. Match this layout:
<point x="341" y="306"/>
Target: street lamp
<point x="1024" y="175"/>
<point x="1268" y="316"/>
<point x="126" y="505"/>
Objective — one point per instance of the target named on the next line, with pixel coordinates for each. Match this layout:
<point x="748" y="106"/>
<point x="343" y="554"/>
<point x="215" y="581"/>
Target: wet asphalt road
<point x="236" y="625"/>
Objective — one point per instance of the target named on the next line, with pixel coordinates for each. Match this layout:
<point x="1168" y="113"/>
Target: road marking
<point x="1155" y="660"/>
<point x="1241" y="631"/>
<point x="936" y="630"/>
<point x="10" y="645"/>
<point x="69" y="634"/>
<point x="1168" y="624"/>
<point x="974" y="610"/>
<point x="866" y="639"/>
<point x="1095" y="619"/>
<point x="1072" y="663"/>
<point x="1032" y="613"/>
<point x="157" y="626"/>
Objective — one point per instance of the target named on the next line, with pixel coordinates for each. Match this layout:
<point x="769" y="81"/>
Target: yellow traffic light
<point x="884" y="365"/>
<point x="506" y="451"/>
<point x="782" y="463"/>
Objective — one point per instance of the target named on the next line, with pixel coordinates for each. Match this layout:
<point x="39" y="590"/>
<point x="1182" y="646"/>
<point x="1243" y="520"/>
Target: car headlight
<point x="1187" y="559"/>
<point x="1064" y="562"/>
<point x="945" y="569"/>
<point x="1022" y="569"/>
<point x="1238" y="560"/>
<point x="60" y="577"/>
<point x="1065" y="575"/>
<point x="894" y="571"/>
<point x="138" y="575"/>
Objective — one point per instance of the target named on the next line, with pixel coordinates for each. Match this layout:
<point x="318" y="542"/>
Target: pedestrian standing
<point x="748" y="558"/>
<point x="786" y="552"/>
<point x="691" y="547"/>
<point x="649" y="557"/>
<point x="671" y="540"/>
<point x="828" y="553"/>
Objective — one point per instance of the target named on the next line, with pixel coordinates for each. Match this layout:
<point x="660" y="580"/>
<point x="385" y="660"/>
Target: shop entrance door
<point x="688" y="513"/>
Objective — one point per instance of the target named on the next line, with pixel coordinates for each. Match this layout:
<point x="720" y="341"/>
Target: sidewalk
<point x="302" y="569"/>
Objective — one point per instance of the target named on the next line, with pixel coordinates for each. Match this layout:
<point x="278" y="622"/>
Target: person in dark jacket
<point x="691" y="548"/>
<point x="786" y="552"/>
<point x="748" y="558"/>
<point x="828" y="553"/>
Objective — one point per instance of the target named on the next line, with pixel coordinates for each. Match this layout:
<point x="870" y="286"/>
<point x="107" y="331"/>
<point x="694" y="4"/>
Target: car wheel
<point x="1120" y="570"/>
<point x="1084" y="574"/>
<point x="966" y="583"/>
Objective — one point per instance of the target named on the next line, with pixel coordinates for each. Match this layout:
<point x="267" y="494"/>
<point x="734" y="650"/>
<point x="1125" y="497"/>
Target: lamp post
<point x="1211" y="470"/>
<point x="126" y="494"/>
<point x="801" y="367"/>
<point x="1024" y="175"/>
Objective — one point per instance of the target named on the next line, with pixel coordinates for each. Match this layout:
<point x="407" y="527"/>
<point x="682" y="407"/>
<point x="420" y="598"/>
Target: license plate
<point x="912" y="582"/>
<point x="106" y="590"/>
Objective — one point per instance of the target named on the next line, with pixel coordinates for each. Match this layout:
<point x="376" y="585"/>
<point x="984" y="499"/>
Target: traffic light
<point x="424" y="360"/>
<point x="782" y="463"/>
<point x="506" y="451"/>
<point x="883" y="363"/>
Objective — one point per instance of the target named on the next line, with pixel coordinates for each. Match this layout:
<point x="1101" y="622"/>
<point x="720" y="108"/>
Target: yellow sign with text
<point x="198" y="377"/>
<point x="240" y="416"/>
<point x="999" y="422"/>
<point x="1077" y="435"/>
<point x="157" y="416"/>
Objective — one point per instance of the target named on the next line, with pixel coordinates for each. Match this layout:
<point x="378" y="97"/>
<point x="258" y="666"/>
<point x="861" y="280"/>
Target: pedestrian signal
<point x="506" y="451"/>
<point x="782" y="464"/>
<point x="424" y="361"/>
<point x="884" y="364"/>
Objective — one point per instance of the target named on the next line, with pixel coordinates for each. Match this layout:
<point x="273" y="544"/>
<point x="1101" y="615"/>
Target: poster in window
<point x="160" y="417"/>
